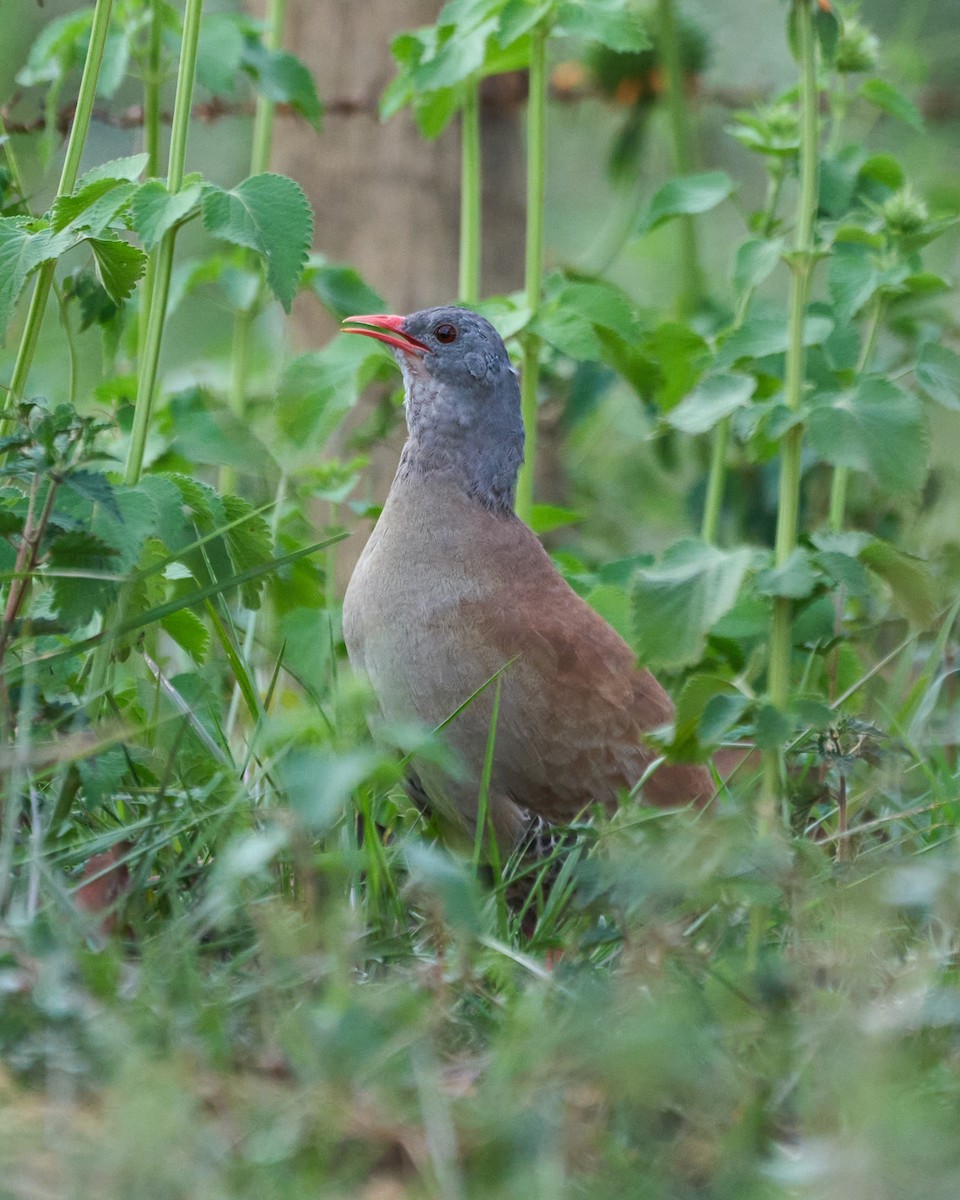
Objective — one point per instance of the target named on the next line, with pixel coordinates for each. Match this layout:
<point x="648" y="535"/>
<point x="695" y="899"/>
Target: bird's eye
<point x="446" y="333"/>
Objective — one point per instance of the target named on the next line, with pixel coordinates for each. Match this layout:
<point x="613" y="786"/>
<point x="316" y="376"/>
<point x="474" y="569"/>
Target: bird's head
<point x="462" y="396"/>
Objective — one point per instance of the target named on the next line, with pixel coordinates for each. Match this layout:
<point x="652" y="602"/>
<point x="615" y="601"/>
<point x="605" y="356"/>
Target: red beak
<point x="386" y="327"/>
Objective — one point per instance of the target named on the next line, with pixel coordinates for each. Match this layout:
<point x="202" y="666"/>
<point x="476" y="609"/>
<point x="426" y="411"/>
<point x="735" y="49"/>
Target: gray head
<point x="462" y="399"/>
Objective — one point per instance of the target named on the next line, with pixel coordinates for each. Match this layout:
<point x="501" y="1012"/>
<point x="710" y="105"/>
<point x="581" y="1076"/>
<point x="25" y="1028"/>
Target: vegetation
<point x="234" y="959"/>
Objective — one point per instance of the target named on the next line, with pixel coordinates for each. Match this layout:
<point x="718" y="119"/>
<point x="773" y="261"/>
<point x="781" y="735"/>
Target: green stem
<point x="691" y="277"/>
<point x="261" y="145"/>
<point x="163" y="266"/>
<point x="152" y="88"/>
<point x="715" y="481"/>
<point x="470" y="203"/>
<point x="533" y="263"/>
<point x="68" y="179"/>
<point x="841" y="475"/>
<point x="788" y="509"/>
<point x="266" y="108"/>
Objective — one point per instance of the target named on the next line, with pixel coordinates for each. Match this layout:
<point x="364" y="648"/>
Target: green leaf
<point x="772" y="728"/>
<point x="520" y="16"/>
<point x="755" y="260"/>
<point x="92" y="208"/>
<point x="909" y="579"/>
<point x="340" y="288"/>
<point x="220" y="51"/>
<point x="613" y="23"/>
<point x="248" y="543"/>
<point x="96" y="487"/>
<point x="119" y="265"/>
<point x="270" y="214"/>
<point x="576" y="309"/>
<point x="546" y="517"/>
<point x="876" y="428"/>
<point x="796" y="579"/>
<point x="77" y="598"/>
<point x="129" y="168"/>
<point x="18" y="257"/>
<point x="686" y="194"/>
<point x="852" y="279"/>
<point x="676" y="603"/>
<point x="759" y="337"/>
<point x="887" y="98"/>
<point x="938" y="373"/>
<point x="283" y="78"/>
<point x="153" y="210"/>
<point x="612" y="602"/>
<point x="189" y="632"/>
<point x="697" y="698"/>
<point x="714" y="398"/>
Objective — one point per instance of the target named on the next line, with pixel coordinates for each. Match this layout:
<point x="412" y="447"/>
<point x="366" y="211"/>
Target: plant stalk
<point x="788" y="508"/>
<point x="691" y="276"/>
<point x="533" y="262"/>
<point x="68" y="178"/>
<point x="152" y="86"/>
<point x="262" y="144"/>
<point x="147" y="380"/>
<point x="470" y="194"/>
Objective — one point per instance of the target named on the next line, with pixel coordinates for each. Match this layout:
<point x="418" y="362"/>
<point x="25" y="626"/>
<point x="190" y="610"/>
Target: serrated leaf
<point x="127" y="536"/>
<point x="130" y="168"/>
<point x="772" y="728"/>
<point x="119" y="266"/>
<point x="249" y="544"/>
<point x="270" y="214"/>
<point x="876" y="428"/>
<point x="676" y="603"/>
<point x="885" y="96"/>
<point x="18" y="257"/>
<point x="687" y="194"/>
<point x="938" y="373"/>
<point x="714" y="398"/>
<point x="153" y="210"/>
<point x="189" y="632"/>
<point x="755" y="260"/>
<point x="77" y="598"/>
<point x="91" y="208"/>
<point x="96" y="487"/>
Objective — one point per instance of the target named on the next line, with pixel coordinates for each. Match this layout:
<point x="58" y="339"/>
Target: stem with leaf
<point x="533" y="267"/>
<point x="691" y="277"/>
<point x="163" y="255"/>
<point x="262" y="144"/>
<point x="470" y="194"/>
<point x="68" y="178"/>
<point x="788" y="508"/>
<point x="152" y="86"/>
<point x="717" y="477"/>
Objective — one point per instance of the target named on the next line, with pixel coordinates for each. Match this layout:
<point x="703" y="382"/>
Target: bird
<point x="455" y="610"/>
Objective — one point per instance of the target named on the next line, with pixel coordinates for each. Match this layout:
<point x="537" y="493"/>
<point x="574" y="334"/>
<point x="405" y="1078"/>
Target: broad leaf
<point x="887" y="98"/>
<point x="908" y="577"/>
<point x="938" y="373"/>
<point x="714" y="398"/>
<point x="684" y="195"/>
<point x="119" y="265"/>
<point x="270" y="214"/>
<point x="154" y="210"/>
<point x="756" y="259"/>
<point x="876" y="428"/>
<point x="676" y="603"/>
<point x="614" y="23"/>
<point x="340" y="288"/>
<point x="283" y="78"/>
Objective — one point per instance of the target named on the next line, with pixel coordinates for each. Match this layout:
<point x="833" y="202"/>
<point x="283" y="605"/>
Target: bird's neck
<point x="479" y="448"/>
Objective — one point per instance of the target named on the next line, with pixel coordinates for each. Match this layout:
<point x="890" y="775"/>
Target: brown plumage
<point x="453" y="588"/>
